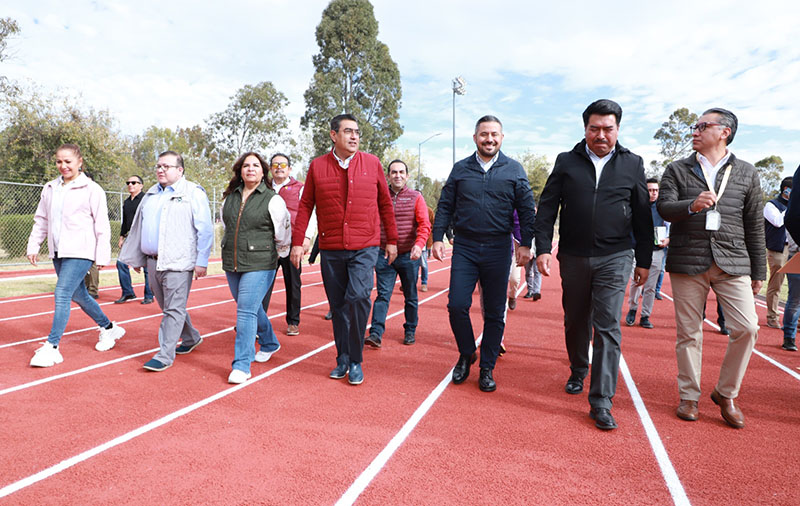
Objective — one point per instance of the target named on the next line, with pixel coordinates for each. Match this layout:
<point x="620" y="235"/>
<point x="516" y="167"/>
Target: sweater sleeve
<point x="40" y="224"/>
<point x="102" y="227"/>
<point x="549" y="203"/>
<point x="282" y="224"/>
<point x="423" y="223"/>
<point x="305" y="209"/>
<point x="444" y="210"/>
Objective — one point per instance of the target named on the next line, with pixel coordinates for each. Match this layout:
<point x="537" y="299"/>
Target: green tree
<point x="8" y="28"/>
<point x="538" y="168"/>
<point x="675" y="137"/>
<point x="353" y="73"/>
<point x="254" y="120"/>
<point x="770" y="170"/>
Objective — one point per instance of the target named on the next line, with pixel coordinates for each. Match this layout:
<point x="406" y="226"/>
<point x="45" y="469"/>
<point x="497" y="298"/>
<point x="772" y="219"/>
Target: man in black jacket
<point x="134" y="187"/>
<point x="479" y="198"/>
<point x="600" y="188"/>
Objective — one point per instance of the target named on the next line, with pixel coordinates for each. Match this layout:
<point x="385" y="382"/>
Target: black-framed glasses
<point x="701" y="127"/>
<point x="164" y="167"/>
<point x="131" y="182"/>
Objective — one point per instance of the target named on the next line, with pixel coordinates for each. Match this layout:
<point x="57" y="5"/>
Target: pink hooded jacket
<point x="85" y="230"/>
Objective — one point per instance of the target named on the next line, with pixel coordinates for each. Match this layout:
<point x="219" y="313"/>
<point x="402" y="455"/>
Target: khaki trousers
<point x="776" y="260"/>
<point x="735" y="294"/>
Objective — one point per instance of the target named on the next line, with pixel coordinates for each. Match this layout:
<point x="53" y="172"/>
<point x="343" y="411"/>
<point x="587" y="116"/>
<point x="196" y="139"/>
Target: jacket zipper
<point x="236" y="236"/>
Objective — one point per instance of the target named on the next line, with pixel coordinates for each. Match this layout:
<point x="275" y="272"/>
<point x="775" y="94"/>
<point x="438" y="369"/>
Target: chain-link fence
<point x="18" y="203"/>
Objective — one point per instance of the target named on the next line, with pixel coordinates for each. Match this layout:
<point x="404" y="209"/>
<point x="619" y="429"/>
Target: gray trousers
<point x="647" y="291"/>
<point x="533" y="278"/>
<point x="171" y="289"/>
<point x="593" y="289"/>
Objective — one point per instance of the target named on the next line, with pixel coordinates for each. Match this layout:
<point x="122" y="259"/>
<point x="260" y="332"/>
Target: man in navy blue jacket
<point x="600" y="189"/>
<point x="479" y="199"/>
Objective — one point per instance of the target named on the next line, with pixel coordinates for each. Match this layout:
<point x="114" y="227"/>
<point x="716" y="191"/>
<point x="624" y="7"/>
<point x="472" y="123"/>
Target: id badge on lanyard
<point x="713" y="217"/>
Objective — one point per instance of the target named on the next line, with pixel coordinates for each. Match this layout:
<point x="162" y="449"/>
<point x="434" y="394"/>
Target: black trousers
<point x="593" y="289"/>
<point x="291" y="279"/>
<point x="348" y="276"/>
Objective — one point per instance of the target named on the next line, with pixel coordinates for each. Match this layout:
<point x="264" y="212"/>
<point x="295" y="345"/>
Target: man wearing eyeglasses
<point x="171" y="236"/>
<point x="134" y="186"/>
<point x="290" y="190"/>
<point x="349" y="190"/>
<point x="714" y="203"/>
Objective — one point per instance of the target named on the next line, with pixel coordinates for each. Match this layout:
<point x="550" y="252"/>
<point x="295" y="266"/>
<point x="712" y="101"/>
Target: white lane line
<point x="140" y="318"/>
<point x="674" y="484"/>
<point x="77" y="459"/>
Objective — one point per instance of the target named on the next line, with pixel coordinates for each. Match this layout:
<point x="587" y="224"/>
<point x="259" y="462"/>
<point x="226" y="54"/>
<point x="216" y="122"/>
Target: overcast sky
<point x="535" y="65"/>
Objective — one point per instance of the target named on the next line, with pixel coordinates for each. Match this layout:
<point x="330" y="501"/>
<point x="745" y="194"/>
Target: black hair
<point x="726" y="118"/>
<point x="602" y="107"/>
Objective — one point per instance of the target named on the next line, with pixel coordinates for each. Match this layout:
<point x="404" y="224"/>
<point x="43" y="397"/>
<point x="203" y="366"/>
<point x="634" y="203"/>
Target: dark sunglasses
<point x="131" y="182"/>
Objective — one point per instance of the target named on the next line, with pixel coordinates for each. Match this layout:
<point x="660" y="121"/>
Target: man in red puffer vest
<point x="352" y="199"/>
<point x="413" y="229"/>
<point x="290" y="190"/>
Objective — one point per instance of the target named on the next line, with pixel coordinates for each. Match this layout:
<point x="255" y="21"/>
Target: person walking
<point x="134" y="185"/>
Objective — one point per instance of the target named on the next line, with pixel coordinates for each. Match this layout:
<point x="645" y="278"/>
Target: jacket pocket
<point x="259" y="245"/>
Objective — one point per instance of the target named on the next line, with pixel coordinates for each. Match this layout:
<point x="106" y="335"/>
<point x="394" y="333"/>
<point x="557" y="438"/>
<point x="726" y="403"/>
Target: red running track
<point x="100" y="429"/>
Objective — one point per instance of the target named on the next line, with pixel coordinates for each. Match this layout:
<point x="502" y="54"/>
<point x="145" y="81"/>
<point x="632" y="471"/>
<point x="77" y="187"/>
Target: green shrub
<point x="14" y="232"/>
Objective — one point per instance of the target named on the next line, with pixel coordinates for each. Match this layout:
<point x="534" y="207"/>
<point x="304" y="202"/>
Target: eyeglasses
<point x="131" y="182"/>
<point x="164" y="167"/>
<point x="352" y="131"/>
<point x="279" y="165"/>
<point x="701" y="127"/>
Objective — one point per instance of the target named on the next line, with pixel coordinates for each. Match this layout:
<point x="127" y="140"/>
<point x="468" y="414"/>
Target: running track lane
<point x="309" y="439"/>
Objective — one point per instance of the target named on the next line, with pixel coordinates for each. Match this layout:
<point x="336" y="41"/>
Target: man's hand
<point x="640" y="275"/>
<point x="137" y="270"/>
<point x="543" y="263"/>
<point x="199" y="272"/>
<point x="296" y="256"/>
<point x="306" y="245"/>
<point x="664" y="242"/>
<point x="121" y="240"/>
<point x="524" y="256"/>
<point x="32" y="258"/>
<point x="438" y="250"/>
<point x="416" y="252"/>
<point x="757" y="284"/>
<point x="703" y="201"/>
<point x="391" y="253"/>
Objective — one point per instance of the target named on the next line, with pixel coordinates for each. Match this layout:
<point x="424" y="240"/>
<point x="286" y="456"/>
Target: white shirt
<point x="343" y="163"/>
<point x="773" y="215"/>
<point x="312" y="220"/>
<point x="486" y="165"/>
<point x="599" y="163"/>
<point x="712" y="170"/>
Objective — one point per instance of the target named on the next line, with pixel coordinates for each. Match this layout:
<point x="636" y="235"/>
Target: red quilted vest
<point x="405" y="219"/>
<point x="290" y="193"/>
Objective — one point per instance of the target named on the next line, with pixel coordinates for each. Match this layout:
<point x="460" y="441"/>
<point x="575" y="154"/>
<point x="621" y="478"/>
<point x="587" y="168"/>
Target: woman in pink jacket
<point x="73" y="215"/>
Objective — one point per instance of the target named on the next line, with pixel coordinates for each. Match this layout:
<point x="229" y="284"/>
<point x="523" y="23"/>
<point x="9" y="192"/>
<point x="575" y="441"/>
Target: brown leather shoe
<point x="687" y="410"/>
<point x="729" y="410"/>
<point x="292" y="330"/>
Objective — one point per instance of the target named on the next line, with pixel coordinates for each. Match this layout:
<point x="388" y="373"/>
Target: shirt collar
<point x="276" y="187"/>
<point x="596" y="158"/>
<point x="343" y="163"/>
<point x="486" y="165"/>
<point x="703" y="161"/>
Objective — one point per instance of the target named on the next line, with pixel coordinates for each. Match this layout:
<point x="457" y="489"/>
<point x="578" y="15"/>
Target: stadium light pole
<point x="459" y="88"/>
<point x="419" y="158"/>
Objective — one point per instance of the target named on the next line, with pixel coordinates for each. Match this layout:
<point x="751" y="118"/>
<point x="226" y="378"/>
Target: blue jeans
<point x="792" y="309"/>
<point x="488" y="263"/>
<point x="248" y="290"/>
<point x="385" y="275"/>
<point x="125" y="281"/>
<point x="70" y="286"/>
<point x="423" y="262"/>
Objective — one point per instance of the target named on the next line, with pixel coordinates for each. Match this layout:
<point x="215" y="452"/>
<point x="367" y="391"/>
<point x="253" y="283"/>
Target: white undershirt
<point x="712" y="170"/>
<point x="599" y="163"/>
<point x="486" y="165"/>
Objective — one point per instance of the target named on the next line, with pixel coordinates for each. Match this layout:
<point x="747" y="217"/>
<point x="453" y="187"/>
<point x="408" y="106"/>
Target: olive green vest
<point x="249" y="240"/>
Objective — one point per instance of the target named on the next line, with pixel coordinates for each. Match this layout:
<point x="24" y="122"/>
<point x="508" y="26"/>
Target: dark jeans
<point x="593" y="289"/>
<point x="488" y="262"/>
<point x="385" y="274"/>
<point x="347" y="276"/>
<point x="124" y="274"/>
<point x="291" y="279"/>
<point x="792" y="309"/>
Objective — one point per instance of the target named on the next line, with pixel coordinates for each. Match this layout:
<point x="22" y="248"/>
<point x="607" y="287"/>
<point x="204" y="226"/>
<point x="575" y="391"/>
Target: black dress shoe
<point x="574" y="385"/>
<point x="329" y="316"/>
<point x="537" y="296"/>
<point x="461" y="370"/>
<point x="409" y="339"/>
<point x="486" y="382"/>
<point x="602" y="418"/>
<point x="528" y="295"/>
<point x="124" y="298"/>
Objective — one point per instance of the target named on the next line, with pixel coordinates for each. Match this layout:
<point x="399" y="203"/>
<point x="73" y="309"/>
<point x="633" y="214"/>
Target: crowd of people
<point x="704" y="223"/>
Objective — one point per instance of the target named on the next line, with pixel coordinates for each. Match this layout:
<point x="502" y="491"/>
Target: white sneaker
<point x="108" y="337"/>
<point x="236" y="376"/>
<point x="46" y="356"/>
<point x="263" y="356"/>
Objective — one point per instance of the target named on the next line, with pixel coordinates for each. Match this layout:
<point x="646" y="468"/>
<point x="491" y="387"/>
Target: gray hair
<point x="726" y="118"/>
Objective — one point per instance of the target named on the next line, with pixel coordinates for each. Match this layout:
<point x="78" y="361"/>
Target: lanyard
<point x="725" y="175"/>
